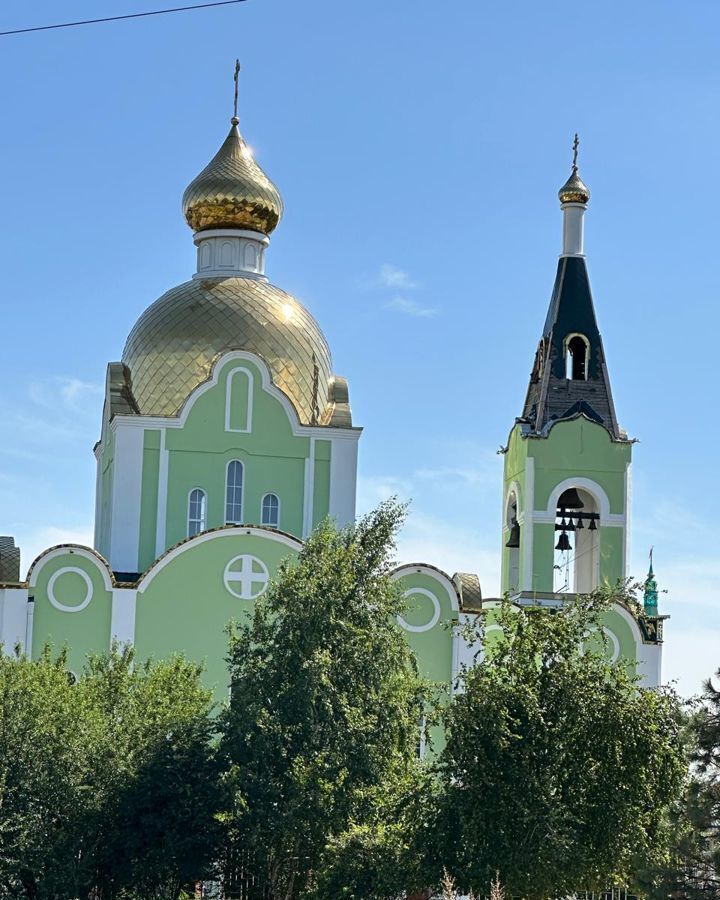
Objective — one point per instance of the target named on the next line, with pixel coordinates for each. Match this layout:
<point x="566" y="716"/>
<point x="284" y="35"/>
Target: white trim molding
<point x="70" y="570"/>
<point x="434" y="618"/>
<point x="228" y="400"/>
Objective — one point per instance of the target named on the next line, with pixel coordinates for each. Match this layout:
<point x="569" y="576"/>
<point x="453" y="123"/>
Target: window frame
<point x="203" y="519"/>
<point x="262" y="510"/>
<point x="228" y="519"/>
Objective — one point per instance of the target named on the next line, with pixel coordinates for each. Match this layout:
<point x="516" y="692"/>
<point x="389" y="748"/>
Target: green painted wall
<point x="183" y="605"/>
<point x="186" y="607"/>
<point x="83" y="631"/>
<point x="575" y="448"/>
<point x="198" y="453"/>
<point x="579" y="447"/>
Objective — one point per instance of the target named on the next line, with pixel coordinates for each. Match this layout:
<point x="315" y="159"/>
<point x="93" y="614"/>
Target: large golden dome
<point x="232" y="191"/>
<point x="174" y="343"/>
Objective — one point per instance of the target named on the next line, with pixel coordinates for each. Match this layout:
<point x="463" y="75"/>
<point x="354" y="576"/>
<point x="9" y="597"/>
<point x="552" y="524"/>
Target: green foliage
<point x="107" y="787"/>
<point x="558" y="769"/>
<point x="693" y="869"/>
<point x="322" y="726"/>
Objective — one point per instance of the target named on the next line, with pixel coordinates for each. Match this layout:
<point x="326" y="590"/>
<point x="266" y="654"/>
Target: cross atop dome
<point x="232" y="191"/>
<point x="574" y="190"/>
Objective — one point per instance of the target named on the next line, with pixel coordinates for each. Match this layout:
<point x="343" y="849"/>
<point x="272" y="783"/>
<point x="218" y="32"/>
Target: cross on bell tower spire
<point x="236" y="78"/>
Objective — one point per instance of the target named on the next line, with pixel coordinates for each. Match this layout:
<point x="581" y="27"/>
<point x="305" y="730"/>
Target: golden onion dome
<point x="574" y="190"/>
<point x="172" y="348"/>
<point x="232" y="191"/>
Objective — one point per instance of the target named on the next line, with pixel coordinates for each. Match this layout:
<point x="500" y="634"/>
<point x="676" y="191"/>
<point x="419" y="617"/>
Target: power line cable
<point x="141" y="15"/>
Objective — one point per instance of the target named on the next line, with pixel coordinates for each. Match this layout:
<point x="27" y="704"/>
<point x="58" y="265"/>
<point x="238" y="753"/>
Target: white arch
<point x="217" y="534"/>
<point x="442" y="577"/>
<point x="514" y="488"/>
<point x="585" y="484"/>
<point x="566" y="351"/>
<point x="72" y="550"/>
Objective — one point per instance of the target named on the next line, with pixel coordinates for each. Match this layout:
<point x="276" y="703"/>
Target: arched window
<point x="513" y="542"/>
<point x="270" y="512"/>
<point x="197" y="512"/>
<point x="233" y="492"/>
<point x="577" y="551"/>
<point x="576" y="357"/>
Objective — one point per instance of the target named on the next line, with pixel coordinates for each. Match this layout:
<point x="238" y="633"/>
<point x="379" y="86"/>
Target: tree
<point x="108" y="787"/>
<point x="322" y="726"/>
<point x="558" y="768"/>
<point x="693" y="869"/>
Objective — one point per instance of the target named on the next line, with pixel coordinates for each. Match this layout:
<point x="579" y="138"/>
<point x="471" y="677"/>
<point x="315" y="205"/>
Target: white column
<point x="573" y="228"/>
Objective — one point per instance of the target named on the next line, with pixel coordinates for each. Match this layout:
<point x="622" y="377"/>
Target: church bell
<point x="563" y="542"/>
<point x="513" y="540"/>
<point x="570" y="499"/>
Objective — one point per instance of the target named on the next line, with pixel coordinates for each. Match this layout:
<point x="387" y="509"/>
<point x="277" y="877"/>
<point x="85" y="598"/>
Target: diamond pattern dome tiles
<point x="173" y="345"/>
<point x="232" y="191"/>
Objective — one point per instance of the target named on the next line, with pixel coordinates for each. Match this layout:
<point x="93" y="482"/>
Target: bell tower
<point x="567" y="463"/>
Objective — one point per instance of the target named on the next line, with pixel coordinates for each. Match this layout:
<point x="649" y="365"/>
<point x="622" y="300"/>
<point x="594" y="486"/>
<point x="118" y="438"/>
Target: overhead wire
<point x="140" y="15"/>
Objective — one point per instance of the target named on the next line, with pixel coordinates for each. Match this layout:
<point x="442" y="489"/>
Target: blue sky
<point x="419" y="148"/>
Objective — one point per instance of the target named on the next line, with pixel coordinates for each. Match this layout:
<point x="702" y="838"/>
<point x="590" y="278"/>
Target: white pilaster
<point x="309" y="491"/>
<point x="343" y="479"/>
<point x="162" y="497"/>
<point x="650" y="664"/>
<point x="13" y="618"/>
<point x="122" y="617"/>
<point x="573" y="229"/>
<point x="528" y="531"/>
<point x="126" y="496"/>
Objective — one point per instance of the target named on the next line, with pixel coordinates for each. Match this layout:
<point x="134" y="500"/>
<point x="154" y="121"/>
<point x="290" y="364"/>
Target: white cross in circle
<point x="252" y="577"/>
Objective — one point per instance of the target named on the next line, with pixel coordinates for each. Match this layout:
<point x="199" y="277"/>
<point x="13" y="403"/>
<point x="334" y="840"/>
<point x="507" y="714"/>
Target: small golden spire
<point x="574" y="190"/>
<point x="236" y="77"/>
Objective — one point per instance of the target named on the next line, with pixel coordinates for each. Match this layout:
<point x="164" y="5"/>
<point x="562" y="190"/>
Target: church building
<point x="226" y="437"/>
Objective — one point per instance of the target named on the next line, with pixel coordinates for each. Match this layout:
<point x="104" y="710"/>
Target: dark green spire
<point x="650" y="594"/>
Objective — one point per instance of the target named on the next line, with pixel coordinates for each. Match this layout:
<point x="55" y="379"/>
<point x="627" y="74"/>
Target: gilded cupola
<point x="229" y="304"/>
<point x="232" y="191"/>
<point x="574" y="190"/>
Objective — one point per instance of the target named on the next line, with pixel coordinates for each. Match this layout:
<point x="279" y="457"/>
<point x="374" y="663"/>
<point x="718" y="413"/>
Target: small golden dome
<point x="232" y="191"/>
<point x="574" y="190"/>
<point x="172" y="348"/>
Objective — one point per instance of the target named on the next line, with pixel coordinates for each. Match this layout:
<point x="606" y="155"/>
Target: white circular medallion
<point x="246" y="577"/>
<point x="63" y="607"/>
<point x="612" y="640"/>
<point x="432" y="622"/>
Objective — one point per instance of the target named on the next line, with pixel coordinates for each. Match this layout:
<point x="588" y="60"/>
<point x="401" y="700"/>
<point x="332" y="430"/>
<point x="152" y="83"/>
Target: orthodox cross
<point x="235" y="119"/>
<point x="576" y="144"/>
